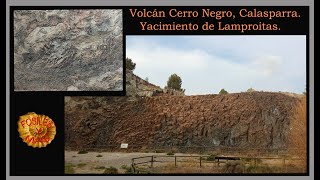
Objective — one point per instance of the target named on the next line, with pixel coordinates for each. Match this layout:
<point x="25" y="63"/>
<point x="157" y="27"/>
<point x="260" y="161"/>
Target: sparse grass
<point x="185" y="168"/>
<point x="81" y="165"/>
<point x="99" y="155"/>
<point x="111" y="170"/>
<point x="83" y="152"/>
<point x="259" y="161"/>
<point x="170" y="153"/>
<point x="212" y="157"/>
<point x="100" y="167"/>
<point x="246" y="160"/>
<point x="263" y="169"/>
<point x="128" y="170"/>
<point x="143" y="171"/>
<point x="233" y="167"/>
<point x="159" y="151"/>
<point x="74" y="156"/>
<point x="68" y="169"/>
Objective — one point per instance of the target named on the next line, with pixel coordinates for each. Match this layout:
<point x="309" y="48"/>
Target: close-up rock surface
<point x="68" y="50"/>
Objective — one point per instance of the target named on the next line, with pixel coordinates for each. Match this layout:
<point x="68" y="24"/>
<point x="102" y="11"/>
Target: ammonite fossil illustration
<point x="36" y="130"/>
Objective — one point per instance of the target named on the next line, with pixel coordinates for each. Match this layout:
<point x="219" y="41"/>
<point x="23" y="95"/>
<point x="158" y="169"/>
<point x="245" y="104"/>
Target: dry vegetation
<point x="298" y="132"/>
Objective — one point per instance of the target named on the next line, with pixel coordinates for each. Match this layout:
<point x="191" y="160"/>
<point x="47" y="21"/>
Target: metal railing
<point x="202" y="160"/>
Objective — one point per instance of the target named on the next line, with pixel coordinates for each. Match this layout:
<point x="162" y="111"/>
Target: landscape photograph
<point x="68" y="50"/>
<point x="213" y="105"/>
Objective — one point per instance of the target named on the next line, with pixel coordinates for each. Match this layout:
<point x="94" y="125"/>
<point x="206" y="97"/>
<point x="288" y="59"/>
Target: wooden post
<point x="152" y="161"/>
<point x="244" y="166"/>
<point x="200" y="161"/>
<point x="218" y="162"/>
<point x="132" y="164"/>
<point x="284" y="164"/>
<point x="175" y="161"/>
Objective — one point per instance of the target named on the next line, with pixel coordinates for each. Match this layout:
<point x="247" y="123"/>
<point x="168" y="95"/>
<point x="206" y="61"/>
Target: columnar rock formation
<point x="68" y="50"/>
<point x="245" y="120"/>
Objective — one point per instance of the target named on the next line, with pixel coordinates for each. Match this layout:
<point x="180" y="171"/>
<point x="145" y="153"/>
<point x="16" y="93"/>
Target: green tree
<point x="174" y="82"/>
<point x="251" y="90"/>
<point x="130" y="64"/>
<point x="223" y="91"/>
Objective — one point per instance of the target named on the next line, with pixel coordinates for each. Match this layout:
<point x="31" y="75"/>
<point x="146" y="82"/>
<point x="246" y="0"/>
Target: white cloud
<point x="156" y="56"/>
<point x="267" y="64"/>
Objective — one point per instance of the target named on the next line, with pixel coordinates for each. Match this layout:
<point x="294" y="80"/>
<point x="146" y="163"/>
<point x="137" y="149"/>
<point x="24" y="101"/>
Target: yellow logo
<point x="36" y="130"/>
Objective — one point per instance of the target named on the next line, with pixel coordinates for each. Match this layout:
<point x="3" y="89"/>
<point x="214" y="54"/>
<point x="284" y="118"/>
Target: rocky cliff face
<point x="137" y="87"/>
<point x="68" y="50"/>
<point x="246" y="120"/>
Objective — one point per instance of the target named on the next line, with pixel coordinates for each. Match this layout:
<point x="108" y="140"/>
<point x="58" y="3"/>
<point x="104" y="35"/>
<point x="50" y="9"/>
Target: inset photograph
<point x="197" y="105"/>
<point x="68" y="50"/>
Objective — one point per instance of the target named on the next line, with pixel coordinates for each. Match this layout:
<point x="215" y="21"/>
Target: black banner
<point x="217" y="20"/>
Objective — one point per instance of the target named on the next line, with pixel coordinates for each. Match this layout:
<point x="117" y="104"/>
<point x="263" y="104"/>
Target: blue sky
<point x="207" y="64"/>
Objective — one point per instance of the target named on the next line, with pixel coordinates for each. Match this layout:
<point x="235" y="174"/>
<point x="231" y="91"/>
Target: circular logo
<point x="36" y="130"/>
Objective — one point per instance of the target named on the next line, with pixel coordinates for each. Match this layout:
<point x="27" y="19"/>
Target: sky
<point x="206" y="64"/>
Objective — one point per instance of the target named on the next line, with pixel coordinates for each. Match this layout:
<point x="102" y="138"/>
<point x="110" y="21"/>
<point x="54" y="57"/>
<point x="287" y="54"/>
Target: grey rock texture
<point x="68" y="50"/>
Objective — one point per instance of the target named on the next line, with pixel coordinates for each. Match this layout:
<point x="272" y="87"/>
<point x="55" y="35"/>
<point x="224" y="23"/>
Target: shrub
<point x="223" y="91"/>
<point x="130" y="64"/>
<point x="251" y="90"/>
<point x="246" y="159"/>
<point x="68" y="169"/>
<point x="111" y="170"/>
<point x="233" y="167"/>
<point x="82" y="152"/>
<point x="259" y="161"/>
<point x="128" y="170"/>
<point x="174" y="82"/>
<point x="143" y="171"/>
<point x="170" y="153"/>
<point x="100" y="167"/>
<point x="81" y="165"/>
<point x="211" y="157"/>
<point x="263" y="169"/>
<point x="159" y="151"/>
<point x="99" y="155"/>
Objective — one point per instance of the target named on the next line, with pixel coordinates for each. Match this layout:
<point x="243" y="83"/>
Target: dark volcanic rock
<point x="68" y="50"/>
<point x="242" y="120"/>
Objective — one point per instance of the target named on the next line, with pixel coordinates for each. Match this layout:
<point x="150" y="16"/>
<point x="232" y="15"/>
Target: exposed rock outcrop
<point x="137" y="87"/>
<point x="68" y="50"/>
<point x="246" y="120"/>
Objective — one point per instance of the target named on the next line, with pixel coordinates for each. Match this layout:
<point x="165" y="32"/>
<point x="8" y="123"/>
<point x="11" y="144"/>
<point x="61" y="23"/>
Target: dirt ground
<point x="97" y="162"/>
<point x="90" y="162"/>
